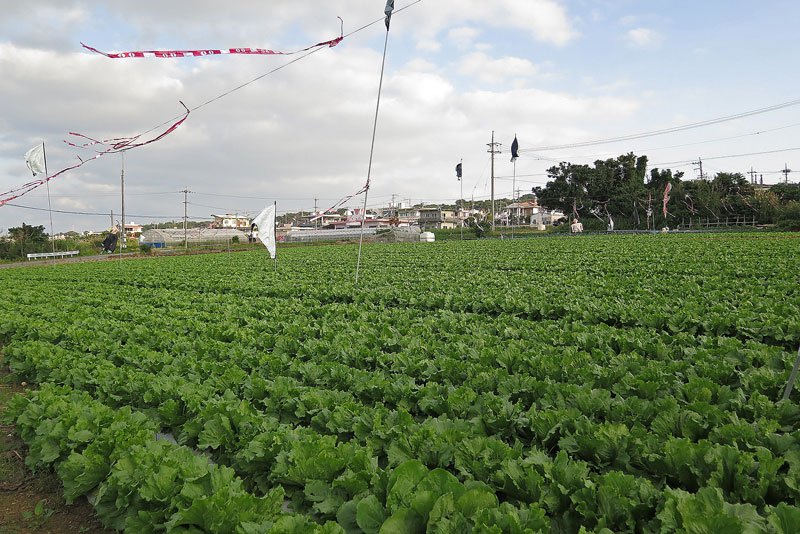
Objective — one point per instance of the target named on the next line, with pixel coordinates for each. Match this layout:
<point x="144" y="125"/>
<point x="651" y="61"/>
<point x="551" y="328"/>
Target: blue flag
<point x="388" y="11"/>
<point x="514" y="150"/>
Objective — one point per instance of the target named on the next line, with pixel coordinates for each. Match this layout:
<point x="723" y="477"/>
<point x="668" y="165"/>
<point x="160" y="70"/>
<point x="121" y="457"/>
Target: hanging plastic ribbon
<point x="114" y="146"/>
<point x="690" y="204"/>
<point x="666" y="197"/>
<point x="214" y="52"/>
<point x="340" y="203"/>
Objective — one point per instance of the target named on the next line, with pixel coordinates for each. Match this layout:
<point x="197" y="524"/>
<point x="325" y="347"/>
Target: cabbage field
<point x="620" y="384"/>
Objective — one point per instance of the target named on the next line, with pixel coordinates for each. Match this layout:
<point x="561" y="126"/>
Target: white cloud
<point x="463" y="37"/>
<point x="643" y="37"/>
<point x="429" y="45"/>
<point x="495" y="71"/>
<point x="546" y="20"/>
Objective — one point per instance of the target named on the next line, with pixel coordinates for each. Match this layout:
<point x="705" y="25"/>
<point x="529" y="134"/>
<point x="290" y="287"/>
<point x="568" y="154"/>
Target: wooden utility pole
<point x="786" y="170"/>
<point x="185" y="217"/>
<point x="493" y="150"/>
<point x="700" y="163"/>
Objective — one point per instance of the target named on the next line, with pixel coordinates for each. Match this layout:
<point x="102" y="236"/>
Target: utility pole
<point x="700" y="163"/>
<point x="185" y="211"/>
<point x="493" y="150"/>
<point x="752" y="174"/>
<point x="315" y="212"/>
<point x="786" y="170"/>
<point x="122" y="180"/>
<point x="112" y="218"/>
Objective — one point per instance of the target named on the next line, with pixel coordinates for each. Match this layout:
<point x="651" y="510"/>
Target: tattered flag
<point x="458" y="171"/>
<point x="388" y="11"/>
<point x="266" y="228"/>
<point x="666" y="197"/>
<point x="34" y="158"/>
<point x="514" y="150"/>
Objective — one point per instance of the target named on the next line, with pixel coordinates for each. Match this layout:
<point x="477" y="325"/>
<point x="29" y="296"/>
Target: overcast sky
<point x="552" y="72"/>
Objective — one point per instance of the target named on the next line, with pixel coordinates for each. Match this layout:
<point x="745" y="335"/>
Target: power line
<point x="685" y="162"/>
<point x="663" y="131"/>
<point x="648" y="150"/>
<point x="276" y="69"/>
<point x="93" y="214"/>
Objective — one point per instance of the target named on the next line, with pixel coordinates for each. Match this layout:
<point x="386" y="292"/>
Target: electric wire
<point x="276" y="69"/>
<point x="95" y="214"/>
<point x="664" y="131"/>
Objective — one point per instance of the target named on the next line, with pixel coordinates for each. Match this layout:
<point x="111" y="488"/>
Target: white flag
<point x="35" y="159"/>
<point x="266" y="228"/>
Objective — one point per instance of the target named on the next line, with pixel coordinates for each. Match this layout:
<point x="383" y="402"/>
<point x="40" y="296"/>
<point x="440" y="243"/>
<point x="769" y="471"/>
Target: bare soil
<point x="33" y="502"/>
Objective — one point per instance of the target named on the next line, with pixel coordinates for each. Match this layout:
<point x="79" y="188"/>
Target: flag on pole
<point x="34" y="158"/>
<point x="514" y="150"/>
<point x="458" y="171"/>
<point x="666" y="197"/>
<point x="266" y="228"/>
<point x="388" y="11"/>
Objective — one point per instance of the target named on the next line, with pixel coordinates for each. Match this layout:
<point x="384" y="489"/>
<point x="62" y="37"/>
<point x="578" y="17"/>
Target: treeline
<point x="28" y="239"/>
<point x="622" y="189"/>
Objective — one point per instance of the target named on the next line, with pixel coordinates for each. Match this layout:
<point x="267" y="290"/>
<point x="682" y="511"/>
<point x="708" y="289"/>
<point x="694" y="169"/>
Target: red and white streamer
<point x="114" y="146"/>
<point x="167" y="54"/>
<point x="340" y="203"/>
<point x="666" y="197"/>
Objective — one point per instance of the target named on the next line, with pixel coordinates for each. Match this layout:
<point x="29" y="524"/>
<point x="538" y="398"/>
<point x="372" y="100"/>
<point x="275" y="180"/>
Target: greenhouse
<point x="162" y="238"/>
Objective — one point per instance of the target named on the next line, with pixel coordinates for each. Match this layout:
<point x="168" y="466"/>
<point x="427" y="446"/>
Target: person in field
<point x="576" y="227"/>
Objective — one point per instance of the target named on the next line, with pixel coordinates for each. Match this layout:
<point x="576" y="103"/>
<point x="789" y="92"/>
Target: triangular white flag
<point x="266" y="228"/>
<point x="35" y="159"/>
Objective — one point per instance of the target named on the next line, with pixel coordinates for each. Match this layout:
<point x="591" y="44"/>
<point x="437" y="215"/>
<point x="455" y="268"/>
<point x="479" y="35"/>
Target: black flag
<point x="514" y="150"/>
<point x="458" y="171"/>
<point x="110" y="242"/>
<point x="388" y="11"/>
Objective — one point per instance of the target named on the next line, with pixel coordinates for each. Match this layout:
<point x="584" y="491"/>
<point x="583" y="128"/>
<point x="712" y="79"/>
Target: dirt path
<point x="33" y="502"/>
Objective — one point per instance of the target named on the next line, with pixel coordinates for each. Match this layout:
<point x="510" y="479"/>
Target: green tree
<point x="26" y="232"/>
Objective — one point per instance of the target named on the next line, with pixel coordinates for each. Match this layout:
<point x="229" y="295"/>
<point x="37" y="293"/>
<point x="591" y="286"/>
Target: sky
<point x="551" y="72"/>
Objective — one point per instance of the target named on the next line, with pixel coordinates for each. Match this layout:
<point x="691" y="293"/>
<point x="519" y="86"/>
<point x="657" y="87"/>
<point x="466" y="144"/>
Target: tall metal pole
<point x="371" y="152"/>
<point x="122" y="180"/>
<point x="122" y="224"/>
<point x="49" y="206"/>
<point x="493" y="150"/>
<point x="185" y="209"/>
<point x="274" y="234"/>
<point x="513" y="196"/>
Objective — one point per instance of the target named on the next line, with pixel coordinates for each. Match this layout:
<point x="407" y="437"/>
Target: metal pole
<point x="792" y="377"/>
<point x="274" y="235"/>
<point x="49" y="207"/>
<point x="492" y="181"/>
<point x="122" y="224"/>
<point x="371" y="152"/>
<point x="185" y="232"/>
<point x="461" y="200"/>
<point x="513" y="196"/>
